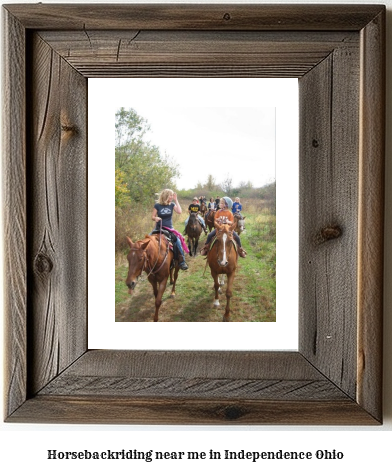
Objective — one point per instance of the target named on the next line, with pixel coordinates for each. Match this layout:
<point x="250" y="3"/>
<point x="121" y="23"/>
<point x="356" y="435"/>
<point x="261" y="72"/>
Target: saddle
<point x="172" y="238"/>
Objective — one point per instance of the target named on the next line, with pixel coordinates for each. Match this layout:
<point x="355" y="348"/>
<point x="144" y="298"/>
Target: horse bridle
<point x="145" y="257"/>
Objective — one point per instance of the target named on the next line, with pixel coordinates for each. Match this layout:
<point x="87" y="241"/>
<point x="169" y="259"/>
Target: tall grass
<point x="133" y="221"/>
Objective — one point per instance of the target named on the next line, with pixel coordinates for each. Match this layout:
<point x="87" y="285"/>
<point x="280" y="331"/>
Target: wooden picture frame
<point x="338" y="54"/>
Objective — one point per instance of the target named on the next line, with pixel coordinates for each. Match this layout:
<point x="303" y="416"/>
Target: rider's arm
<point x="154" y="216"/>
<point x="177" y="207"/>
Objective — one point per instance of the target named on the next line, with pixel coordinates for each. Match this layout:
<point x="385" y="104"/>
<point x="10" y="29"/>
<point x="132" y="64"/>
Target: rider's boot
<point x="241" y="252"/>
<point x="182" y="263"/>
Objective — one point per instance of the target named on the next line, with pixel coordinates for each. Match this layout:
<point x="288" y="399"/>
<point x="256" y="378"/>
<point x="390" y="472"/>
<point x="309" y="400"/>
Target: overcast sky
<point x="226" y="142"/>
<point x="223" y="127"/>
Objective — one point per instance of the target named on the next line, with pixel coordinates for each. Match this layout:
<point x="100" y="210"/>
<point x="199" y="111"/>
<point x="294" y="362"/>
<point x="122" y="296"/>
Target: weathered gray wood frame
<point x="337" y="53"/>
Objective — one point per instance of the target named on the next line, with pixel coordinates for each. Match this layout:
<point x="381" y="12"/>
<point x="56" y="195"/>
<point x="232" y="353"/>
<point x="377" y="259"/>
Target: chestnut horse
<point x="210" y="220"/>
<point x="222" y="259"/>
<point x="193" y="231"/>
<point x="152" y="255"/>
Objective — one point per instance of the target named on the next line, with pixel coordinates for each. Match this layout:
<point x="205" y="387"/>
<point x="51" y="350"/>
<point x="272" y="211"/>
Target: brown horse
<point x="210" y="220"/>
<point x="239" y="223"/>
<point x="152" y="255"/>
<point x="222" y="259"/>
<point x="203" y="208"/>
<point x="193" y="231"/>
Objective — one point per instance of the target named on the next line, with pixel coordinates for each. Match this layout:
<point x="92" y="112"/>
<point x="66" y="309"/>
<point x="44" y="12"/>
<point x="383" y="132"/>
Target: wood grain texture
<point x="102" y="409"/>
<point x="195" y="17"/>
<point x="335" y="378"/>
<point x="57" y="215"/>
<point x="196" y="53"/>
<point x="371" y="215"/>
<point x="208" y="375"/>
<point x="14" y="209"/>
<point x="329" y="167"/>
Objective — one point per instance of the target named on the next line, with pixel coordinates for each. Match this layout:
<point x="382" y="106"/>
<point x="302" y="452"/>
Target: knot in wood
<point x="315" y="143"/>
<point x="233" y="412"/>
<point x="43" y="264"/>
<point x="69" y="128"/>
<point x="328" y="233"/>
<point x="227" y="16"/>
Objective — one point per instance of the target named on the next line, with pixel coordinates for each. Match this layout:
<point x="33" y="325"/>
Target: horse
<point x="152" y="255"/>
<point x="222" y="259"/>
<point x="210" y="220"/>
<point x="239" y="223"/>
<point x="193" y="231"/>
<point x="203" y="208"/>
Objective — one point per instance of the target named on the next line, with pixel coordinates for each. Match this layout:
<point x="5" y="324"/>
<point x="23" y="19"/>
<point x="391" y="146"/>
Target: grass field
<point x="254" y="289"/>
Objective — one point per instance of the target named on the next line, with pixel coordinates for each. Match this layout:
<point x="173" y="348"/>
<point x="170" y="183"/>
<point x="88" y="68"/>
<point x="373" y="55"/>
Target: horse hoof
<point x="173" y="295"/>
<point x="216" y="303"/>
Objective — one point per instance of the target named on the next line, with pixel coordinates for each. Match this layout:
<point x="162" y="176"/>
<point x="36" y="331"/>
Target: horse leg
<point x="216" y="288"/>
<point x="171" y="276"/>
<point x="154" y="285"/>
<point x="173" y="292"/>
<point x="190" y="246"/>
<point x="196" y="244"/>
<point x="158" y="298"/>
<point x="229" y="294"/>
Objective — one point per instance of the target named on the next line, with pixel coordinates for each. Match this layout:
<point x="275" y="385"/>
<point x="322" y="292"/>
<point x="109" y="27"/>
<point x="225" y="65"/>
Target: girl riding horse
<point x="226" y="216"/>
<point x="163" y="216"/>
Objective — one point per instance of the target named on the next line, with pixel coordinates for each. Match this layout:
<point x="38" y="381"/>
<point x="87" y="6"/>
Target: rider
<point x="211" y="206"/>
<point x="195" y="207"/>
<point x="237" y="207"/>
<point x="162" y="214"/>
<point x="225" y="205"/>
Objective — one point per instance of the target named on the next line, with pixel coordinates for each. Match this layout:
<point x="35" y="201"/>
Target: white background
<point x="23" y="447"/>
<point x="104" y="333"/>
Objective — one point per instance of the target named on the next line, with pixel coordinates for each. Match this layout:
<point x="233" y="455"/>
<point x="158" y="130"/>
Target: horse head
<point x="225" y="239"/>
<point x="240" y="223"/>
<point x="137" y="259"/>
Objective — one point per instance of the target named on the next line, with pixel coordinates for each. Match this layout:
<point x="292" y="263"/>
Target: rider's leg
<point x="181" y="256"/>
<point x="206" y="247"/>
<point x="202" y="223"/>
<point x="241" y="251"/>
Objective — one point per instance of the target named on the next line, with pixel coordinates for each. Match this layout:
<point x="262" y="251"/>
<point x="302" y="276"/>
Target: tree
<point x="211" y="184"/>
<point x="227" y="185"/>
<point x="121" y="193"/>
<point x="143" y="168"/>
<point x="129" y="126"/>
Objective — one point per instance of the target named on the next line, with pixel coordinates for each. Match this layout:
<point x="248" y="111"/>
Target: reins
<point x="145" y="258"/>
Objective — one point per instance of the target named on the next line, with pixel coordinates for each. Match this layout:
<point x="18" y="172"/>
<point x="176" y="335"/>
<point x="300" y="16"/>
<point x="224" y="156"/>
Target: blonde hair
<point x="164" y="196"/>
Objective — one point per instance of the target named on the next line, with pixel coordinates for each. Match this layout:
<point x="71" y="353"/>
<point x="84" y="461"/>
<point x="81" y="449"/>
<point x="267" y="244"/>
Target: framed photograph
<point x="337" y="53"/>
<point x="250" y="142"/>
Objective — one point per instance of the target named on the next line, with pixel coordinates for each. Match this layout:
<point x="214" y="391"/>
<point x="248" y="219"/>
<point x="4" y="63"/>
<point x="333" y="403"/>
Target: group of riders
<point x="167" y="203"/>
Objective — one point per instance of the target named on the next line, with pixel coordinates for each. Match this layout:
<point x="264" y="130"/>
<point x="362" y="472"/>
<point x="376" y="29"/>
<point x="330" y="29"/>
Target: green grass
<point x="254" y="289"/>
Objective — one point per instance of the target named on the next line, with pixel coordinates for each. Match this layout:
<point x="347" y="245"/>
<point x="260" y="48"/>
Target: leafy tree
<point x="129" y="127"/>
<point x="121" y="194"/>
<point x="143" y="168"/>
<point x="227" y="185"/>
